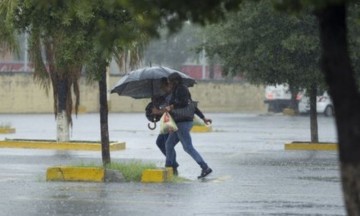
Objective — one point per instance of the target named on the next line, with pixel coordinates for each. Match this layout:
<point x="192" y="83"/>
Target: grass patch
<point x="132" y="170"/>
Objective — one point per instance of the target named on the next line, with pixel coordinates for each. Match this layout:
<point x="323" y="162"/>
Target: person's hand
<point x="207" y="121"/>
<point x="156" y="111"/>
<point x="169" y="108"/>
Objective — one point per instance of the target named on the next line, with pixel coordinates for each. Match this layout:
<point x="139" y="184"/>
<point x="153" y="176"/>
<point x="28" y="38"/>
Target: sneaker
<point x="205" y="172"/>
<point x="175" y="172"/>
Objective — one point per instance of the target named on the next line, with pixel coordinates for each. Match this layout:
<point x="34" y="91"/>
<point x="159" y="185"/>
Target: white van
<point x="278" y="97"/>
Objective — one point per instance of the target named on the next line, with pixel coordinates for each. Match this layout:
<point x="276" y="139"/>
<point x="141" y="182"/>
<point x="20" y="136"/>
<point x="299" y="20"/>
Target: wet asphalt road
<point x="253" y="174"/>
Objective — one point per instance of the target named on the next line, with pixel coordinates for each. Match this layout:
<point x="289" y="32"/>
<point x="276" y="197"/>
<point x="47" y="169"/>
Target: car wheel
<point x="329" y="111"/>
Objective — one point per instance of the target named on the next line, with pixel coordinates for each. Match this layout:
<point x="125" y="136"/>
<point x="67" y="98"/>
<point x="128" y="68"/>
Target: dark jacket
<point x="180" y="98"/>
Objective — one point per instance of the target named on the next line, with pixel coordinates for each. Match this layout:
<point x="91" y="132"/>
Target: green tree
<point x="267" y="47"/>
<point x="8" y="36"/>
<point x="280" y="49"/>
<point x="335" y="63"/>
<point x="339" y="73"/>
<point x="107" y="30"/>
<point x="340" y="76"/>
<point x="56" y="44"/>
<point x="65" y="36"/>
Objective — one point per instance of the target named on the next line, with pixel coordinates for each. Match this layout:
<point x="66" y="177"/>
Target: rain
<point x="228" y="67"/>
<point x="253" y="174"/>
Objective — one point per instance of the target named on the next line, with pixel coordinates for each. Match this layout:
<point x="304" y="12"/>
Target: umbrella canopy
<point x="145" y="82"/>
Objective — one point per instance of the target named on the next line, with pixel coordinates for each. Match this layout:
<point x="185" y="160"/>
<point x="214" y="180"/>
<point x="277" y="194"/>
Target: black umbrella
<point x="145" y="82"/>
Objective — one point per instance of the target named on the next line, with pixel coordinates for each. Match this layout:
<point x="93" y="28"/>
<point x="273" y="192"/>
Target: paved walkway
<point x="253" y="174"/>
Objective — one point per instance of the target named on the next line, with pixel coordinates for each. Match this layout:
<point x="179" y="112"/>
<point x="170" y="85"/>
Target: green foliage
<point x="353" y="22"/>
<point x="132" y="170"/>
<point x="268" y="47"/>
<point x="66" y="35"/>
<point x="353" y="7"/>
<point x="172" y="14"/>
<point x="7" y="30"/>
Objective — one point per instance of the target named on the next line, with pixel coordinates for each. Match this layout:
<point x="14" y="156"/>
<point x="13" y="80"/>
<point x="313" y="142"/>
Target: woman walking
<point x="180" y="98"/>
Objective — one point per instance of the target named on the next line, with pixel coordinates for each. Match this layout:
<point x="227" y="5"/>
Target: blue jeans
<point x="182" y="134"/>
<point x="160" y="142"/>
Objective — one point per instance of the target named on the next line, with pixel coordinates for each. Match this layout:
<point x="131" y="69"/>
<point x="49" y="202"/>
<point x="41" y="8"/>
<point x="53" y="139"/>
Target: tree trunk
<point x="339" y="75"/>
<point x="313" y="115"/>
<point x="105" y="147"/>
<point x="61" y="117"/>
<point x="293" y="101"/>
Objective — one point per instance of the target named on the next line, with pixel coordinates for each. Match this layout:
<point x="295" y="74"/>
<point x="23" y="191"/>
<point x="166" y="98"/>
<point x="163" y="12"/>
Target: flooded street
<point x="253" y="174"/>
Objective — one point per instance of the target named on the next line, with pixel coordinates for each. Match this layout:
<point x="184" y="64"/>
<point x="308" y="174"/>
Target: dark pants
<point x="160" y="142"/>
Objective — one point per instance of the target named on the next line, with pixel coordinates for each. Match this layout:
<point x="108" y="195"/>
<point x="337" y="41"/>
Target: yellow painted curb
<point x="7" y="130"/>
<point x="201" y="128"/>
<point x="157" y="175"/>
<point x="63" y="173"/>
<point x="311" y="146"/>
<point x="49" y="144"/>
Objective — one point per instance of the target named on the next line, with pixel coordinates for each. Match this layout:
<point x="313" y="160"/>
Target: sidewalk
<point x="253" y="174"/>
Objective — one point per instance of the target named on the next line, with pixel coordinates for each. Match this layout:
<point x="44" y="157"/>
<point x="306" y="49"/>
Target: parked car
<point x="324" y="104"/>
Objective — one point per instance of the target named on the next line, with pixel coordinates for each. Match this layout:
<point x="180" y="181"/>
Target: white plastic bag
<point x="167" y="124"/>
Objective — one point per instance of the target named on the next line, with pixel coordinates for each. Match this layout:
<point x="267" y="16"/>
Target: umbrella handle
<point x="152" y="128"/>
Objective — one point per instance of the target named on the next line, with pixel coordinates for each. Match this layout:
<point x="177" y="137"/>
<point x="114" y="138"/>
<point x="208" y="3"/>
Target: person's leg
<point x="170" y="151"/>
<point x="176" y="141"/>
<point x="160" y="142"/>
<point x="185" y="139"/>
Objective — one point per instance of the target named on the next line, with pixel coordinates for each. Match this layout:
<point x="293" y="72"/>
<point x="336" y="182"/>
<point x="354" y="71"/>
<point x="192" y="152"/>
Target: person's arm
<point x="181" y="98"/>
<point x="157" y="111"/>
<point x="199" y="113"/>
<point x="202" y="116"/>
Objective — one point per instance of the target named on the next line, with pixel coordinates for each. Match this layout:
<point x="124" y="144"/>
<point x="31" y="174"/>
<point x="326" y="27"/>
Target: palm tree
<point x="49" y="71"/>
<point x="65" y="36"/>
<point x="8" y="36"/>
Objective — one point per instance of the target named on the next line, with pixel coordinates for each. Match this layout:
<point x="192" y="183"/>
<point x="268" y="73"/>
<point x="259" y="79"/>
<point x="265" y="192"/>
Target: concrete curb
<point x="98" y="174"/>
<point x="52" y="144"/>
<point x="87" y="174"/>
<point x="7" y="130"/>
<point x="83" y="174"/>
<point x="159" y="175"/>
<point x="311" y="146"/>
<point x="201" y="128"/>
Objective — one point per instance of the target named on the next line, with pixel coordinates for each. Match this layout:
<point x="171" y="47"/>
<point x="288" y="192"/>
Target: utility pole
<point x="203" y="63"/>
<point x="26" y="52"/>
